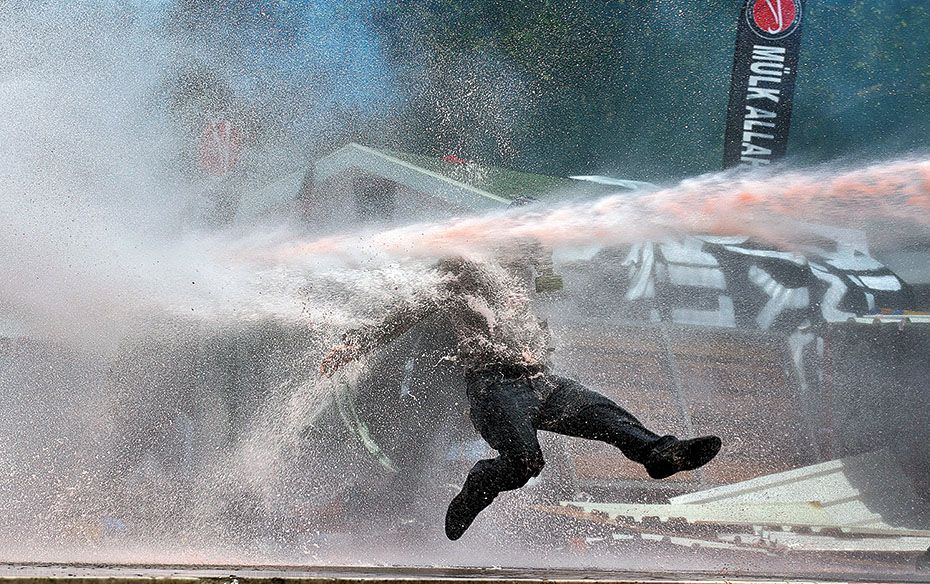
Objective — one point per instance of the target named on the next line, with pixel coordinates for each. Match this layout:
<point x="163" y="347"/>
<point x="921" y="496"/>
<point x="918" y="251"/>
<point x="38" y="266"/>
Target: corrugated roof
<point x="878" y="478"/>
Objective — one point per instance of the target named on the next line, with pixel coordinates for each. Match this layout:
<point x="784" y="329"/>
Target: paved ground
<point x="129" y="574"/>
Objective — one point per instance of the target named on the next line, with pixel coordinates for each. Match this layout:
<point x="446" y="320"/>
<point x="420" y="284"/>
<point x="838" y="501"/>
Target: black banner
<point x="765" y="63"/>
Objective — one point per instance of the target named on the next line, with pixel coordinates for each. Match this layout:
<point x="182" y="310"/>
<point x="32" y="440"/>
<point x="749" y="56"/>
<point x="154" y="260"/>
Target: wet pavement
<point x="12" y="573"/>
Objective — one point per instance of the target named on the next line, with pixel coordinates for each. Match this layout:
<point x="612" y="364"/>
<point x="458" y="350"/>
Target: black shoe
<point x="672" y="455"/>
<point x="462" y="511"/>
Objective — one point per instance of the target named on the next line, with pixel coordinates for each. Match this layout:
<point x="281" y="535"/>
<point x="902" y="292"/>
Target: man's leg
<point x="575" y="410"/>
<point x="503" y="414"/>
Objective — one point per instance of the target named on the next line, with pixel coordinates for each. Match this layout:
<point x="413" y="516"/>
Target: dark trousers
<point x="508" y="413"/>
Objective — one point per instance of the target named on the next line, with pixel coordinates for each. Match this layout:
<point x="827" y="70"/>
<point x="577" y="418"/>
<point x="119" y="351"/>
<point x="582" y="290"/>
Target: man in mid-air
<point x="503" y="351"/>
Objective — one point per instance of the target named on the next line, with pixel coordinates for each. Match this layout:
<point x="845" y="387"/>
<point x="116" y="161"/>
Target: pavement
<point x="138" y="574"/>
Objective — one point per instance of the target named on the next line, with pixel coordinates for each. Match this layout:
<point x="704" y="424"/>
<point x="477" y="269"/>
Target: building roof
<point x="503" y="182"/>
<point x="457" y="181"/>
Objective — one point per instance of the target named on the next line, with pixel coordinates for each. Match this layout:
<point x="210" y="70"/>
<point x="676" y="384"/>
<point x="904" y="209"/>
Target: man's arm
<point x="361" y="341"/>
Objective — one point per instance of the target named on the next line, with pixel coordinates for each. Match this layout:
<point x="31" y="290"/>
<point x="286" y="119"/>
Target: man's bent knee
<point x="527" y="467"/>
<point x="507" y="472"/>
<point x="535" y="464"/>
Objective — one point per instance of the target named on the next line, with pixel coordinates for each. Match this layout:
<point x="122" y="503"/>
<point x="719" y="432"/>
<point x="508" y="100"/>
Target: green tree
<point x="639" y="88"/>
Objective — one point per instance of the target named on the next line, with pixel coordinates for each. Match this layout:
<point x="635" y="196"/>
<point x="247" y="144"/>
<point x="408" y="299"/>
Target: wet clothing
<point x="486" y="310"/>
<point x="508" y="413"/>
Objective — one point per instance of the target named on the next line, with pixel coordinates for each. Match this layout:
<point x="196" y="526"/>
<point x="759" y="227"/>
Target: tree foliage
<point x="638" y="87"/>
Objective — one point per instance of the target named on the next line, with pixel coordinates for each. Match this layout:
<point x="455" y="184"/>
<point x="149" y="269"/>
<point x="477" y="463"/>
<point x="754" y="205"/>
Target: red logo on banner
<point x="219" y="148"/>
<point x="773" y="19"/>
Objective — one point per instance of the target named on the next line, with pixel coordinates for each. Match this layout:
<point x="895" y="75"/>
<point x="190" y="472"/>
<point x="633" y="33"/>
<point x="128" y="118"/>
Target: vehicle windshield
<point x="563" y="289"/>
